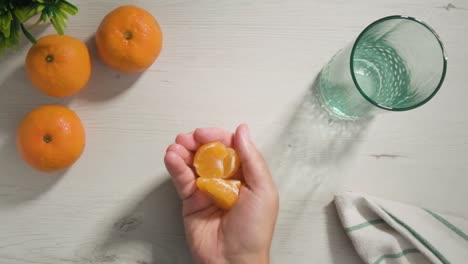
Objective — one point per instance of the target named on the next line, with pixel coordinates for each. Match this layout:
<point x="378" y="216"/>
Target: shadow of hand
<point x="152" y="231"/>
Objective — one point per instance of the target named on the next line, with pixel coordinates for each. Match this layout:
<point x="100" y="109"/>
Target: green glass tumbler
<point x="397" y="63"/>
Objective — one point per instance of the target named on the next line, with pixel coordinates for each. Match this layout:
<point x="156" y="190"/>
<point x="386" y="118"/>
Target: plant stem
<point x="28" y="35"/>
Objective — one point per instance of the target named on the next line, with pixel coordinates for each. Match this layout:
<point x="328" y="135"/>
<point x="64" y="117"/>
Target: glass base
<point x="336" y="103"/>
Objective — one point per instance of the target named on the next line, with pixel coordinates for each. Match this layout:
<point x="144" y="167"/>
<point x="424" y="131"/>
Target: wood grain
<point x="226" y="62"/>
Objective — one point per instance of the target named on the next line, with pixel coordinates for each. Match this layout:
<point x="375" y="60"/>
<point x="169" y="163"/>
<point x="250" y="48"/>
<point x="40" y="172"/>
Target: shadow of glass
<point x="311" y="143"/>
<point x="105" y="83"/>
<point x="151" y="231"/>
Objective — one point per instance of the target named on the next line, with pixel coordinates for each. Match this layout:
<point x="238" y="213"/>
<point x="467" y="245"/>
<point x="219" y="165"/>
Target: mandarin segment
<point x="224" y="193"/>
<point x="208" y="160"/>
<point x="231" y="163"/>
<point x="214" y="160"/>
<point x="214" y="163"/>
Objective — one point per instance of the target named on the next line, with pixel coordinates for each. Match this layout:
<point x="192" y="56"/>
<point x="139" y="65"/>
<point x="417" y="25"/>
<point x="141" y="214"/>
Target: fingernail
<point x="245" y="136"/>
<point x="247" y="131"/>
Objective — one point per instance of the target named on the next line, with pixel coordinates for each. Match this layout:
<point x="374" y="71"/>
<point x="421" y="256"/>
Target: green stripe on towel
<point x="365" y="224"/>
<point x="397" y="255"/>
<point x="448" y="224"/>
<point x="420" y="238"/>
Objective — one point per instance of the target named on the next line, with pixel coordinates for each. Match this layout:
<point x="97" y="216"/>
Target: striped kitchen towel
<point x="385" y="232"/>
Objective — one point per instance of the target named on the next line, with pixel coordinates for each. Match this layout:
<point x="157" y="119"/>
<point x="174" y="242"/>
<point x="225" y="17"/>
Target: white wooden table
<point x="226" y="62"/>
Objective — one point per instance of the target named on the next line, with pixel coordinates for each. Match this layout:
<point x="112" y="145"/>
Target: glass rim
<point x="444" y="59"/>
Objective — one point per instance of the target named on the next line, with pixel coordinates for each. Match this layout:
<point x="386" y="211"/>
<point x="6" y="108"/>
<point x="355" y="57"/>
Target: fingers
<point x="198" y="201"/>
<point x="179" y="157"/>
<point x="180" y="150"/>
<point x="254" y="168"/>
<point x="192" y="141"/>
<point x="207" y="135"/>
<point x="182" y="176"/>
<point x="187" y="141"/>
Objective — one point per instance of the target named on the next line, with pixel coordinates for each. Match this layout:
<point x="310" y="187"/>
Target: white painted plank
<point x="226" y="62"/>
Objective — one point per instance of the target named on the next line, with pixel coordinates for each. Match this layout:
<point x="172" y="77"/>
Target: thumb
<point x="254" y="168"/>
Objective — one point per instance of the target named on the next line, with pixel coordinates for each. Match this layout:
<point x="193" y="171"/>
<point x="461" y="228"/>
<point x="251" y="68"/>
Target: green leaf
<point x="13" y="40"/>
<point x="5" y="24"/>
<point x="14" y="13"/>
<point x="39" y="8"/>
<point x="49" y="12"/>
<point x="22" y="3"/>
<point x="61" y="14"/>
<point x="68" y="8"/>
<point x="57" y="25"/>
<point x="43" y="17"/>
<point x="25" y="13"/>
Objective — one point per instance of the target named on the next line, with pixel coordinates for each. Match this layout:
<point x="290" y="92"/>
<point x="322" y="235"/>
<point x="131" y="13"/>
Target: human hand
<point x="242" y="234"/>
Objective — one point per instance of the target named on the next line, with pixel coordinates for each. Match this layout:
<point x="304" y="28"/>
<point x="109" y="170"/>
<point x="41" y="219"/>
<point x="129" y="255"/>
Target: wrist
<point x="260" y="258"/>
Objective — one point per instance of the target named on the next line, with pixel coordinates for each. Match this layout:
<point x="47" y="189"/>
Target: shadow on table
<point x="24" y="43"/>
<point x="311" y="143"/>
<point x="150" y="232"/>
<point x="339" y="244"/>
<point x="105" y="83"/>
<point x="18" y="182"/>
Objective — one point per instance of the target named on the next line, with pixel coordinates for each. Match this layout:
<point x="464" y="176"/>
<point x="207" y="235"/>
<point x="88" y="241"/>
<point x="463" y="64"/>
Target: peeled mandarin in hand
<point x="223" y="192"/>
<point x="214" y="163"/>
<point x="214" y="160"/>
